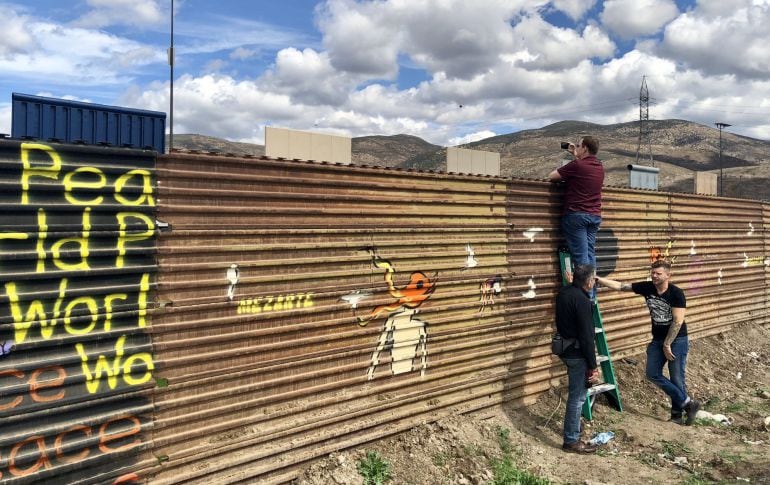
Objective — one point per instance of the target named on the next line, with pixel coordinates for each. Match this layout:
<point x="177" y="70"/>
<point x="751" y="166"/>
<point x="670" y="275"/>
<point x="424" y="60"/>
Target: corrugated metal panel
<point x="77" y="256"/>
<point x="280" y="282"/>
<point x="51" y="119"/>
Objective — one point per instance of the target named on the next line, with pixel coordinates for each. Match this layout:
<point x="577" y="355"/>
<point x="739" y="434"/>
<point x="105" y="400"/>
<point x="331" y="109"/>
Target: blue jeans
<point x="576" y="373"/>
<point x="674" y="386"/>
<point x="580" y="230"/>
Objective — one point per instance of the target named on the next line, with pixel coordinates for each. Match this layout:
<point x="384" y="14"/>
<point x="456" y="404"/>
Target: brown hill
<point x="205" y="143"/>
<point x="389" y="151"/>
<point x="678" y="148"/>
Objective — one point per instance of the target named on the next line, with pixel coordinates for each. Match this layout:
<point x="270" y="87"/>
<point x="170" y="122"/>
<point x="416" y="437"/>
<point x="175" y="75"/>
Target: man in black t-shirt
<point x="666" y="303"/>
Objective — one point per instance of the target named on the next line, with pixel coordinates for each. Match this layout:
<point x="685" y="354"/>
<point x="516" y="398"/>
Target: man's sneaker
<point x="579" y="447"/>
<point x="677" y="419"/>
<point x="692" y="409"/>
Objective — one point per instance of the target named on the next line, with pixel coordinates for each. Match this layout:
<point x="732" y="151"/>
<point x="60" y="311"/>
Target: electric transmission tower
<point x="645" y="137"/>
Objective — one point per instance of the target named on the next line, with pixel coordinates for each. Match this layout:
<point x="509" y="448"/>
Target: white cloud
<point x="14" y="35"/>
<point x="574" y="8"/>
<point x="137" y="13"/>
<point x="5" y="118"/>
<point x="73" y="55"/>
<point x="471" y="137"/>
<point x="241" y="53"/>
<point x="357" y="40"/>
<point x="308" y="77"/>
<point x="553" y="48"/>
<point x="733" y="42"/>
<point x="240" y="35"/>
<point x="219" y="105"/>
<point x="463" y="39"/>
<point x="637" y="18"/>
<point x="215" y="65"/>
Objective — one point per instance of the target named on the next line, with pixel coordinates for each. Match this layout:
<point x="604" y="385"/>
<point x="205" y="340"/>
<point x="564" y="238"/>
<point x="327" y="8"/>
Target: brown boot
<point x="578" y="447"/>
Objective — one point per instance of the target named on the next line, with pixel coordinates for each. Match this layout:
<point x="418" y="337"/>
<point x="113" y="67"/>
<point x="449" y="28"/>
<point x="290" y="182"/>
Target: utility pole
<point x="645" y="137"/>
<point x="171" y="76"/>
<point x="720" y="126"/>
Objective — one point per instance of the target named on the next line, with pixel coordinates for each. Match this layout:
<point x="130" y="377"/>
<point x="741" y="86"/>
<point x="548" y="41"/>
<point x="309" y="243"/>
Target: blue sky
<point x="449" y="71"/>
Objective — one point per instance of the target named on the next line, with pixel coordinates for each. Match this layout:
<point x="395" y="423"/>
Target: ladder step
<point x="602" y="358"/>
<point x="600" y="389"/>
<point x="598" y="330"/>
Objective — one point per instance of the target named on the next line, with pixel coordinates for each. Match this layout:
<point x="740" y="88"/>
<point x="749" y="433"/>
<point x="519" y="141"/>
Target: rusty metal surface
<point x="307" y="307"/>
<point x="77" y="252"/>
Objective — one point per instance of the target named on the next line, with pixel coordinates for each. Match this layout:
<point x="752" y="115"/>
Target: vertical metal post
<point x="720" y="126"/>
<point x="171" y="75"/>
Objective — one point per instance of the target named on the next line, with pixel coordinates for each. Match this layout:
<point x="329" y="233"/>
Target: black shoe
<point x="579" y="447"/>
<point x="692" y="409"/>
<point x="677" y="420"/>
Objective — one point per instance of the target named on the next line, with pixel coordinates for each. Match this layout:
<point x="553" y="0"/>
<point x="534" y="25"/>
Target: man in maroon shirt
<point x="583" y="178"/>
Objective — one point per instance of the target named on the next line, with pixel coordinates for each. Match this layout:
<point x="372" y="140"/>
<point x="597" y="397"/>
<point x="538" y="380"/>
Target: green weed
<point x="672" y="449"/>
<point x="440" y="459"/>
<point x="697" y="479"/>
<point x="729" y="457"/>
<point x="736" y="407"/>
<point x="373" y="468"/>
<point x="507" y="473"/>
<point x="649" y="459"/>
<point x="504" y="439"/>
<point x="712" y="404"/>
<point x="472" y="450"/>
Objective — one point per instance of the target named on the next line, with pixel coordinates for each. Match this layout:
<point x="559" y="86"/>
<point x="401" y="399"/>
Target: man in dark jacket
<point x="574" y="320"/>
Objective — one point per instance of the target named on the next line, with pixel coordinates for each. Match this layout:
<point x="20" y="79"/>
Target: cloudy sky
<point x="449" y="71"/>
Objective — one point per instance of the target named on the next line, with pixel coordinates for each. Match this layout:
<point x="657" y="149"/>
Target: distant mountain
<point x="390" y="151"/>
<point x="205" y="143"/>
<point x="678" y="148"/>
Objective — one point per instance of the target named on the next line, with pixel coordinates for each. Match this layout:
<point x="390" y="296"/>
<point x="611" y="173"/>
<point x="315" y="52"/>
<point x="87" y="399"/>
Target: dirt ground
<point x="729" y="372"/>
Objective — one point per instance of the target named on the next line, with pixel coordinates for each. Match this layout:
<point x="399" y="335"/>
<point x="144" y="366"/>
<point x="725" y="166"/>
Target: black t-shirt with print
<point x="660" y="307"/>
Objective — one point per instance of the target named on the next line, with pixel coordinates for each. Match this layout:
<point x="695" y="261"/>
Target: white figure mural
<point x="233" y="276"/>
<point x="532" y="232"/>
<point x="403" y="333"/>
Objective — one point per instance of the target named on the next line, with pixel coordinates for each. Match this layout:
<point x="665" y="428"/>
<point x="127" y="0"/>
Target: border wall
<point x="213" y="319"/>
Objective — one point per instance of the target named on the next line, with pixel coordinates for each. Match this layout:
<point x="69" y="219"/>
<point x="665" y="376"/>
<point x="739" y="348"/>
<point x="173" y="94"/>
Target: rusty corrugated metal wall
<point x="77" y="244"/>
<point x="303" y="307"/>
<point x="309" y="307"/>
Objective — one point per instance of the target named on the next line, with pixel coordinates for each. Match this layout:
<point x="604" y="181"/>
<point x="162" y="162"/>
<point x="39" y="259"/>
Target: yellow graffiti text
<point x="116" y="369"/>
<point x="82" y="179"/>
<point x="275" y="304"/>
<point x="36" y="311"/>
<point x="125" y="237"/>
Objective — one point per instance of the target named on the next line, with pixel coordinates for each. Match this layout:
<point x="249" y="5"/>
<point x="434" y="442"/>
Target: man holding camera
<point x="583" y="178"/>
<point x="574" y="322"/>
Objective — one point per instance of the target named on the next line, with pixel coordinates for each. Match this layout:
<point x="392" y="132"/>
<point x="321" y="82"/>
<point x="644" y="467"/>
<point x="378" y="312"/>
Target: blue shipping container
<point x="61" y="120"/>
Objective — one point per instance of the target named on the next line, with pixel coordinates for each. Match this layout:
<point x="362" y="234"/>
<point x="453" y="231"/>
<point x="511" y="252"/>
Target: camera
<point x="565" y="145"/>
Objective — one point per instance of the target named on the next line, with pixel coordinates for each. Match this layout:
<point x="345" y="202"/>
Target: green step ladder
<point x="610" y="386"/>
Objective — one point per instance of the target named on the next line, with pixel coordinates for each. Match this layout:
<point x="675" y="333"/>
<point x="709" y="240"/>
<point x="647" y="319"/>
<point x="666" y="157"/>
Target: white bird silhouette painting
<point x="531" y="292"/>
<point x="719" y="276"/>
<point x="233" y="275"/>
<point x="470" y="261"/>
<point x="692" y="247"/>
<point x="751" y="229"/>
<point x="355" y="297"/>
<point x="745" y="262"/>
<point x="532" y="232"/>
